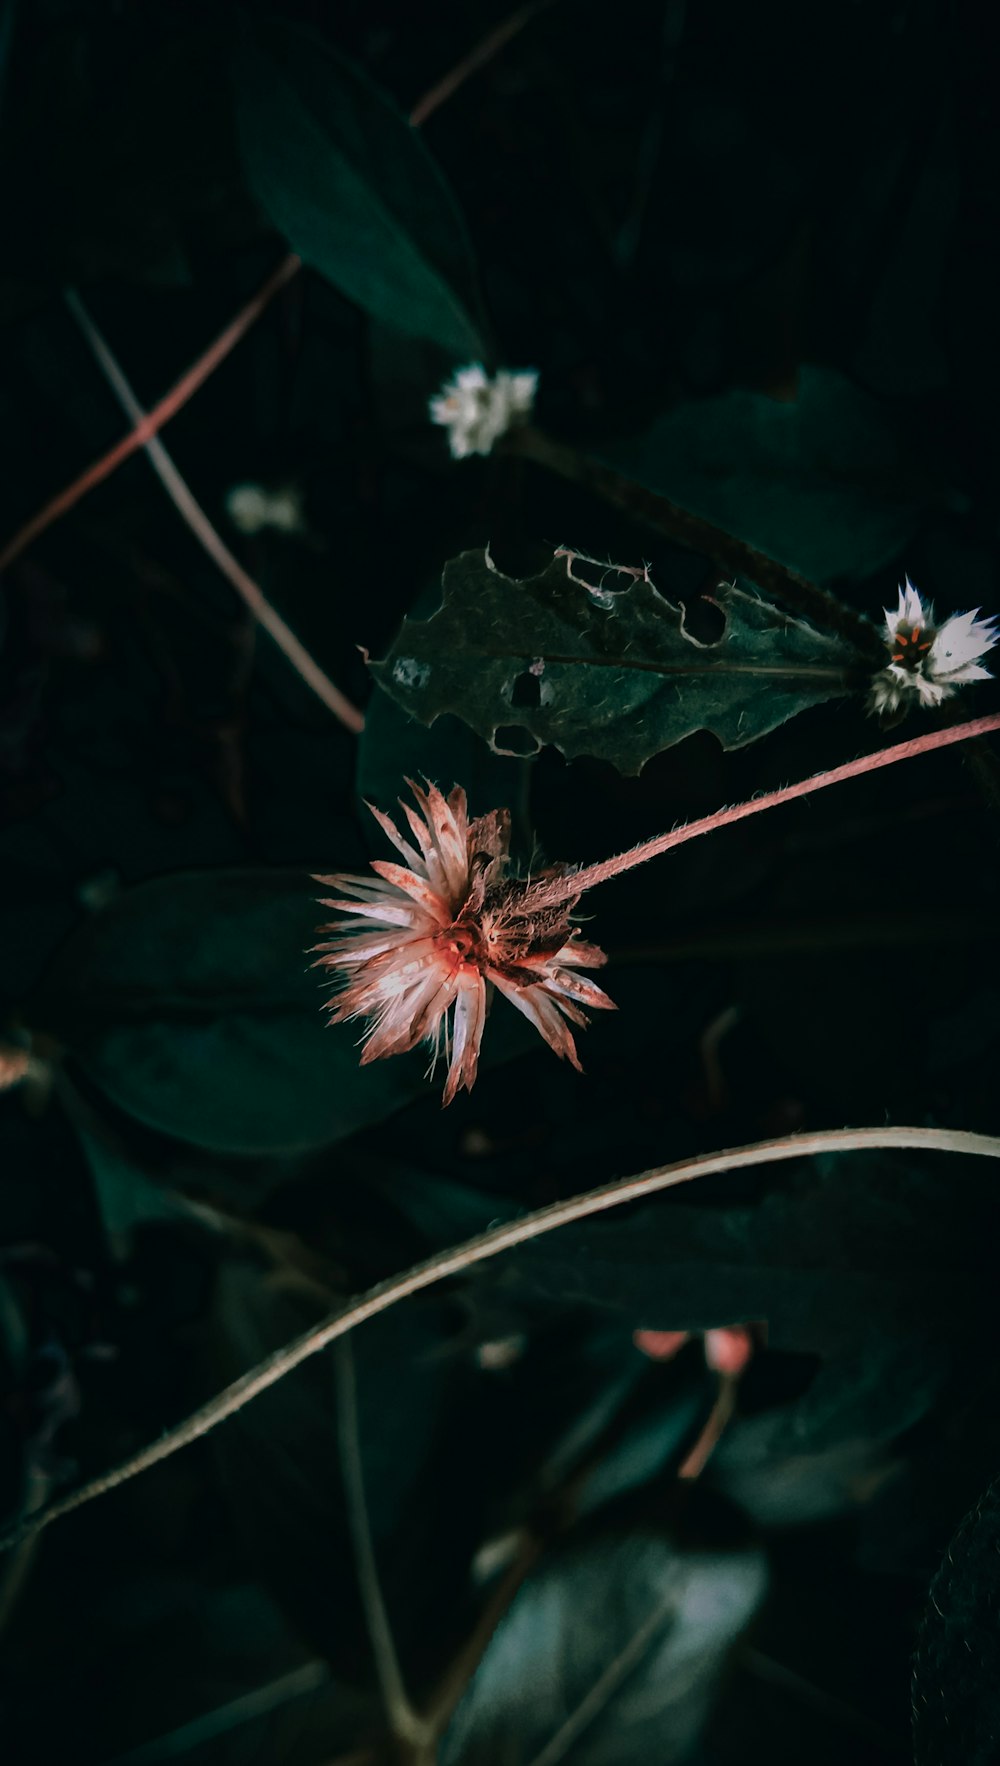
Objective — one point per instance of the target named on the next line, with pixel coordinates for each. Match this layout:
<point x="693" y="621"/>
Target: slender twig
<point x="146" y="424"/>
<point x="573" y="883"/>
<point x="151" y="422"/>
<point x="716" y="1423"/>
<point x="460" y="1671"/>
<point x="403" y="1720"/>
<point x="310" y="1678"/>
<point x="607" y="1683"/>
<point x="476" y="1250"/>
<point x="732" y="555"/>
<point x="193" y="513"/>
<point x="477" y="58"/>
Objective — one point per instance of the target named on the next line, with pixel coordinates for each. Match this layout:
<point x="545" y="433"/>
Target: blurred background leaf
<point x="608" y="1651"/>
<point x="819" y="480"/>
<point x="193" y="1004"/>
<point x="352" y="187"/>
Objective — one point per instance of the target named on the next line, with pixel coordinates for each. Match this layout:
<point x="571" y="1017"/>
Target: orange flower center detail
<point x="911" y="644"/>
<point x="461" y="945"/>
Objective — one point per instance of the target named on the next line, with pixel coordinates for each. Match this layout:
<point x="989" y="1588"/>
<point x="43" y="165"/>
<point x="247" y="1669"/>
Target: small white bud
<point x="252" y="508"/>
<point x="477" y="410"/>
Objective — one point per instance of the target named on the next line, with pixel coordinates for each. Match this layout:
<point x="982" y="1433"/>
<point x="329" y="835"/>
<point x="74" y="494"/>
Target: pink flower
<point x="440" y="932"/>
<point x="728" y="1348"/>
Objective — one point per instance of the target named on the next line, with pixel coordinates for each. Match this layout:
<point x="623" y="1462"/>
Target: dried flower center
<point x="461" y="944"/>
<point x="910" y="645"/>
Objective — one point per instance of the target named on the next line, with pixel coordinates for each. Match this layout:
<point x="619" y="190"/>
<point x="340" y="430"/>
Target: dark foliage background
<point x="750" y="250"/>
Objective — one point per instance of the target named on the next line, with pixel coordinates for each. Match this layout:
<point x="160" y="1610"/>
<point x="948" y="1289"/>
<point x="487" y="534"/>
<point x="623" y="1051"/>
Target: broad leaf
<point x="819" y="483"/>
<point x="394" y="746"/>
<point x="617" y="675"/>
<point x="352" y="187"/>
<point x="608" y="1655"/>
<point x="849" y="1249"/>
<point x="191" y="1002"/>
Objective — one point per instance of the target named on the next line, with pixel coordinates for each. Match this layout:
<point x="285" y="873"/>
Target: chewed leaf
<point x="352" y="186"/>
<point x="598" y="662"/>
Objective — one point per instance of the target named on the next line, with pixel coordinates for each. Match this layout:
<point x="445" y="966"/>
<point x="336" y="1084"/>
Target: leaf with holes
<point x="352" y="187"/>
<point x="606" y="666"/>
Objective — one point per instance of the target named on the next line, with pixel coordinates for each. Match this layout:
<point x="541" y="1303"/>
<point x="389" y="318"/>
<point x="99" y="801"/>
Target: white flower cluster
<point x="477" y="410"/>
<point x="926" y="659"/>
<point x="253" y="508"/>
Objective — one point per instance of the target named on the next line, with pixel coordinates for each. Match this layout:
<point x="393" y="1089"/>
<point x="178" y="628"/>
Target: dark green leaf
<point x="126" y="1198"/>
<point x="612" y="674"/>
<point x="608" y="1655"/>
<point x="352" y="186"/>
<point x="395" y="746"/>
<point x="828" y="1451"/>
<point x="819" y="483"/>
<point x="280" y="1463"/>
<point x="210" y="1674"/>
<point x="849" y="1248"/>
<point x="191" y="1002"/>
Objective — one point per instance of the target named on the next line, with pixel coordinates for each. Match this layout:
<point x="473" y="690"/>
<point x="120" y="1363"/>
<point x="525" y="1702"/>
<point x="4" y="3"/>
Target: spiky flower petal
<point x="439" y="932"/>
<point x="477" y="410"/>
<point x="928" y="660"/>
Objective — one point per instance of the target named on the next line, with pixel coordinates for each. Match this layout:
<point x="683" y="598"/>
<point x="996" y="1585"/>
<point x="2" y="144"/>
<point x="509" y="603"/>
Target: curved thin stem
<point x="476" y="1250"/>
<point x="718" y="1420"/>
<point x="478" y="57"/>
<point x="608" y="1682"/>
<point x="403" y="1720"/>
<point x="150" y="422"/>
<point x="571" y="885"/>
<point x="192" y="512"/>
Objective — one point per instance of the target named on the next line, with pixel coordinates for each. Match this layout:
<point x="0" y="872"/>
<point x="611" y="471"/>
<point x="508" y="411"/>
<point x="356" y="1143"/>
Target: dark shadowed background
<point x="751" y="251"/>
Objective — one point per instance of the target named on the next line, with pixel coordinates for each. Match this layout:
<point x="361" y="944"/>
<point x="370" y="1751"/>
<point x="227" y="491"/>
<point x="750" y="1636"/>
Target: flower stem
<point x="403" y="1720"/>
<point x="151" y="422"/>
<point x="478" y="57"/>
<point x="192" y="512"/>
<point x="731" y="554"/>
<point x="574" y="883"/>
<point x="718" y="1419"/>
<point x="476" y="1250"/>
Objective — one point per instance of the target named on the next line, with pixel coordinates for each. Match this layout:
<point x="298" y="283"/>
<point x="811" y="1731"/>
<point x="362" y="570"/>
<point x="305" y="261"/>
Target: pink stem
<point x="471" y="63"/>
<point x="193" y="513"/>
<point x="716" y="1423"/>
<point x="568" y="887"/>
<point x="152" y="421"/>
